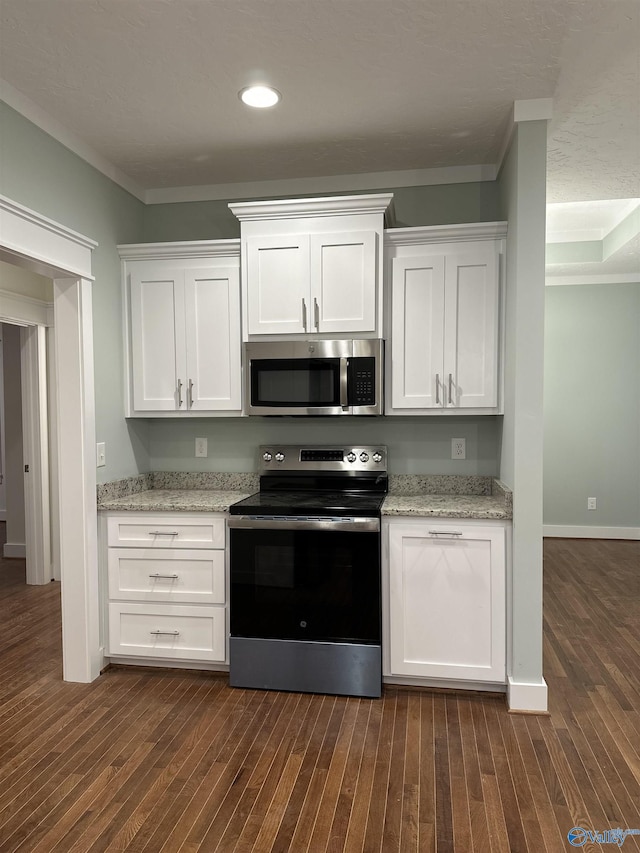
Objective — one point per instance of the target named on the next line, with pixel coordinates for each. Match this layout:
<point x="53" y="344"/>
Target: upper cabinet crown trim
<point x="182" y="249"/>
<point x="307" y="207"/>
<point x="445" y="233"/>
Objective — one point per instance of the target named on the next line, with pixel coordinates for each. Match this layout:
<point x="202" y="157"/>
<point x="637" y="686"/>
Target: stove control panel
<point x="321" y="458"/>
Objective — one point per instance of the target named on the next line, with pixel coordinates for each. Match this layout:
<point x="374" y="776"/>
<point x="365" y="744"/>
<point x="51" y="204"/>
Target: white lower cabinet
<point x="166" y="584"/>
<point x="446" y="606"/>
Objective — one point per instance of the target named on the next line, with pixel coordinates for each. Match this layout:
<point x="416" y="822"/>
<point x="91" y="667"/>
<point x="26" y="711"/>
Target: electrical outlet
<point x="458" y="448"/>
<point x="201" y="446"/>
<point x="101" y="456"/>
<point x="592" y="503"/>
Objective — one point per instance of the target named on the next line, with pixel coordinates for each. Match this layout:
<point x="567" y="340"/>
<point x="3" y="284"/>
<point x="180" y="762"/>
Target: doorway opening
<point x="32" y="241"/>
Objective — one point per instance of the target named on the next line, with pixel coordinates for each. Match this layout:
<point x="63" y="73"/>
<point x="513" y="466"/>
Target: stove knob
<point x="266" y="456"/>
<point x="351" y="457"/>
<point x="377" y="457"/>
<point x="279" y="457"/>
<point x="364" y="457"/>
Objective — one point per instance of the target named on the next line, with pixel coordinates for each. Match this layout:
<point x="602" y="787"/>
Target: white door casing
<point x="35" y="454"/>
<point x="42" y="245"/>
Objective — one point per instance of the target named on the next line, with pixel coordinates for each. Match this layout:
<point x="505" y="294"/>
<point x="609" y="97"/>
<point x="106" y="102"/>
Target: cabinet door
<point x="278" y="285"/>
<point x="212" y="311"/>
<point x="471" y="331"/>
<point x="417" y="328"/>
<point x="447" y="601"/>
<point x="157" y="339"/>
<point x="343" y="282"/>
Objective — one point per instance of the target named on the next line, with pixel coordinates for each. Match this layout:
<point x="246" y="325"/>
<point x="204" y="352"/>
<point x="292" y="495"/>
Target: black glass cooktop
<point x="338" y="504"/>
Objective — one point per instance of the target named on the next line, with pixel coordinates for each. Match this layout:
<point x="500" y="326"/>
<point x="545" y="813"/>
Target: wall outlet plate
<point x="201" y="447"/>
<point x="458" y="448"/>
<point x="592" y="503"/>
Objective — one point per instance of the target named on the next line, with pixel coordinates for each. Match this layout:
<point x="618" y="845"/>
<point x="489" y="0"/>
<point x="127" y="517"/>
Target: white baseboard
<point x="15" y="549"/>
<point x="570" y="531"/>
<point x="527" y="696"/>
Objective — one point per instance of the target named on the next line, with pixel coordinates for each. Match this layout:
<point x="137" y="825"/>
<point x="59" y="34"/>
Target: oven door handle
<point x="351" y="525"/>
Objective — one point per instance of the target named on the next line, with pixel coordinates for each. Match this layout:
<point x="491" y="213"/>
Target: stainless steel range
<point x="305" y="572"/>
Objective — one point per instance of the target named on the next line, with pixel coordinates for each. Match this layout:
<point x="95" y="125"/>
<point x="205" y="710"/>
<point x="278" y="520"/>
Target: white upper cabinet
<point x="444" y="305"/>
<point x="182" y="329"/>
<point x="157" y="338"/>
<point x="312" y="266"/>
<point x="279" y="271"/>
<point x="344" y="282"/>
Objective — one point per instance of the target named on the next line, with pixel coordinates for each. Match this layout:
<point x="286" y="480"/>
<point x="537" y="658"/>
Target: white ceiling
<point x="367" y="85"/>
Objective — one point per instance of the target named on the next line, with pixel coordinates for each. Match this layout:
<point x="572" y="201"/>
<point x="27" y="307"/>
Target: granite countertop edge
<point x="495" y="506"/>
<point x="175" y="500"/>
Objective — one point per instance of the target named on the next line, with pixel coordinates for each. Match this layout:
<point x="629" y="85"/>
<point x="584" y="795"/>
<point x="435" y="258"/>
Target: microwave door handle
<point x="344" y="383"/>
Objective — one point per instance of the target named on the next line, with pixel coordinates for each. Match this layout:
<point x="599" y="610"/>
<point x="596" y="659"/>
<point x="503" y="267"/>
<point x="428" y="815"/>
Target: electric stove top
<point x="318" y="481"/>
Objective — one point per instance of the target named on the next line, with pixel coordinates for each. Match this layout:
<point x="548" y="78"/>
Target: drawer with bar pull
<point x="141" y="530"/>
<point x="182" y="576"/>
<point x="181" y="632"/>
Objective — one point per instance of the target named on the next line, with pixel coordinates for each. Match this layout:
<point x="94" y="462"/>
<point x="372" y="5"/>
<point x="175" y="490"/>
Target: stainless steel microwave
<point x="314" y="377"/>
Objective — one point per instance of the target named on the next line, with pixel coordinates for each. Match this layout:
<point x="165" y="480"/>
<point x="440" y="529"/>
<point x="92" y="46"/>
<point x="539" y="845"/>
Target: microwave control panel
<point x="362" y="381"/>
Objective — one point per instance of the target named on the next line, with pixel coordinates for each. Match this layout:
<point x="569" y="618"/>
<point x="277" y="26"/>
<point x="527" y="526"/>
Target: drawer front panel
<point x="145" y="574"/>
<point x="165" y="532"/>
<point x="171" y="632"/>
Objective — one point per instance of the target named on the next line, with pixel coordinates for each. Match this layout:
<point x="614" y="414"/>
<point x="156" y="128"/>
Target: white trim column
<point x="82" y="655"/>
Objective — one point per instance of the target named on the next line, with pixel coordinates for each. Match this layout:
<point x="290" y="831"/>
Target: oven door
<point x="312" y="580"/>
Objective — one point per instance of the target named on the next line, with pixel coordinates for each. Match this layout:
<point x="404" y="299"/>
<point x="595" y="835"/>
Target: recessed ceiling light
<point x="259" y="96"/>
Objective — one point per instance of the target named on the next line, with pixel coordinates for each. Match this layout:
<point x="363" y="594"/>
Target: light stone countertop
<point x="447" y="506"/>
<point x="175" y="500"/>
<point x="409" y="495"/>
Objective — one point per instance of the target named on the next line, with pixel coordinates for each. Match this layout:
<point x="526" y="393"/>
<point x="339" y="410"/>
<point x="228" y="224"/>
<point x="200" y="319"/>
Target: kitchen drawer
<point x="178" y="632"/>
<point x="142" y="530"/>
<point x="145" y="574"/>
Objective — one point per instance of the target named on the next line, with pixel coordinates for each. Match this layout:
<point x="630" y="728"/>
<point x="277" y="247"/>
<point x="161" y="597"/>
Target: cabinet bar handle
<point x="164" y="577"/>
<point x="437" y="389"/>
<point x="316" y="314"/>
<point x="450" y="396"/>
<point x="304" y="314"/>
<point x="163" y="533"/>
<point x="446" y="533"/>
<point x="179" y="392"/>
<point x="190" y="395"/>
<point x="167" y="633"/>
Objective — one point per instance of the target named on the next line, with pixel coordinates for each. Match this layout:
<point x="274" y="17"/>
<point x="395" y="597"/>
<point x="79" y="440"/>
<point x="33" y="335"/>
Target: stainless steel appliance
<point x="305" y="572"/>
<point x="341" y="377"/>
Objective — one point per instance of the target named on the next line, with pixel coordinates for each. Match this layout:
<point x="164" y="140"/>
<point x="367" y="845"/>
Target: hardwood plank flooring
<point x="169" y="760"/>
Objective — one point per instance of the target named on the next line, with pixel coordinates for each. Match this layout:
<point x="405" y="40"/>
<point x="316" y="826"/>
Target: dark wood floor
<point x="168" y="760"/>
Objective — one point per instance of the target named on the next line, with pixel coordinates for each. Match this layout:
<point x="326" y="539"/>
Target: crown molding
<point x="612" y="278"/>
<point x="46" y="122"/>
<point x="445" y="233"/>
<point x="180" y="250"/>
<point x="24" y="310"/>
<point x="298" y="208"/>
<point x="60" y="250"/>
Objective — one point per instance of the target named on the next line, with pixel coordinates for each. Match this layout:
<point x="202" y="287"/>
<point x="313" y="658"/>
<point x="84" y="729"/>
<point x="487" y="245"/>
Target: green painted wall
<point x="432" y="205"/>
<point x="522" y="184"/>
<point x="42" y="174"/>
<point x="592" y="405"/>
<point x="416" y="444"/>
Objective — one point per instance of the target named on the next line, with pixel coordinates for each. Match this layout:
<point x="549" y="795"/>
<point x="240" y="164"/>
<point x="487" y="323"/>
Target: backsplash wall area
<point x="420" y="445"/>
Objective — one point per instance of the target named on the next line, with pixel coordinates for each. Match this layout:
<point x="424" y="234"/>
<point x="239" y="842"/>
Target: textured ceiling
<point x="367" y="85"/>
